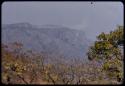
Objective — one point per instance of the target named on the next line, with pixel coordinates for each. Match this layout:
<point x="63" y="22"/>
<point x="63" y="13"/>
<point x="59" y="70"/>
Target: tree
<point x="107" y="50"/>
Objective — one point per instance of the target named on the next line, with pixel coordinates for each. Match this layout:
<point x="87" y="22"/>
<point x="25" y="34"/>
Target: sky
<point x="91" y="18"/>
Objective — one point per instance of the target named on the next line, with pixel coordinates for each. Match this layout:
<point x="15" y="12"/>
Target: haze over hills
<point x="51" y="39"/>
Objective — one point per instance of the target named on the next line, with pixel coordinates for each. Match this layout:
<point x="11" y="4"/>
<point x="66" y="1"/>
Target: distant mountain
<point x="51" y="39"/>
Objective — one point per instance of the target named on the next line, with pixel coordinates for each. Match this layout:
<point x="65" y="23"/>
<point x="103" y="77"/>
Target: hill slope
<point x="51" y="39"/>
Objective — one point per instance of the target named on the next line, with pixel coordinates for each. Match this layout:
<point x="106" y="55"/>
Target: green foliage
<point x="106" y="48"/>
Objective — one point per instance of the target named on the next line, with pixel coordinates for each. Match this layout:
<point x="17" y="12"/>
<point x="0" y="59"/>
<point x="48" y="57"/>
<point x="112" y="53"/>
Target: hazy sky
<point x="92" y="18"/>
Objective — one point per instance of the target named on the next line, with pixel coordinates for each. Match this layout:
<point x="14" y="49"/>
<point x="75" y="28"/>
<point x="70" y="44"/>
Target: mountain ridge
<point x="60" y="40"/>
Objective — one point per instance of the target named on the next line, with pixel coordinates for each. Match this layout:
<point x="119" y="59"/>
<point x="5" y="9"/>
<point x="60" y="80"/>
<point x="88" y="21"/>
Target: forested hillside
<point x="54" y="40"/>
<point x="105" y="65"/>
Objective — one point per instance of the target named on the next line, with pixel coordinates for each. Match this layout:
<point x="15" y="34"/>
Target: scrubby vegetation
<point x="105" y="66"/>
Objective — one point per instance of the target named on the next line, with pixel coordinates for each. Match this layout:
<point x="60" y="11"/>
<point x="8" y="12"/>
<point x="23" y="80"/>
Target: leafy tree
<point x="107" y="49"/>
